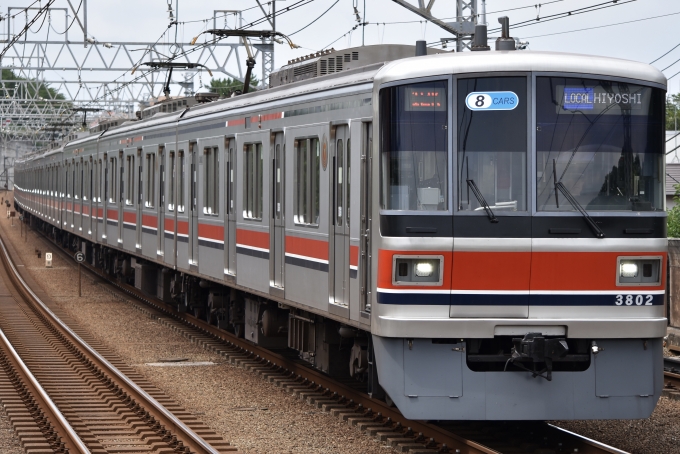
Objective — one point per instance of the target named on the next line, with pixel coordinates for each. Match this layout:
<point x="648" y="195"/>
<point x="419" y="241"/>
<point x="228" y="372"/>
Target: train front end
<point x="519" y="236"/>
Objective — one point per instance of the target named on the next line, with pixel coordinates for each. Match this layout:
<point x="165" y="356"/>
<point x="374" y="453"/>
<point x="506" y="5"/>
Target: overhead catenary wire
<point x="562" y="15"/>
<point x="322" y="14"/>
<point x="196" y="48"/>
<point x="605" y="26"/>
<point x="26" y="27"/>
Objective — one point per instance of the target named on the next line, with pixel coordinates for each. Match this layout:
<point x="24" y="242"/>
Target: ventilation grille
<point x="355" y="55"/>
<point x="309" y="68"/>
<point x="323" y="67"/>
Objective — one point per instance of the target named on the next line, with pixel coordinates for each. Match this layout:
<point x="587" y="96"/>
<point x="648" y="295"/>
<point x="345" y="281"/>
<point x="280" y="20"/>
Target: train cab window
<point x="211" y="181"/>
<point x="414" y="147"/>
<point x="130" y="184"/>
<point x="602" y="140"/>
<point x="180" y="183"/>
<point x="307" y="176"/>
<point x="492" y="144"/>
<point x="150" y="189"/>
<point x="171" y="183"/>
<point x="252" y="181"/>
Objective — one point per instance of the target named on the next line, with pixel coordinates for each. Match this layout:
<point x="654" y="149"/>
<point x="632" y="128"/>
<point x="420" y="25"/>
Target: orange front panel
<point x="582" y="270"/>
<point x="317" y="249"/>
<point x="491" y="270"/>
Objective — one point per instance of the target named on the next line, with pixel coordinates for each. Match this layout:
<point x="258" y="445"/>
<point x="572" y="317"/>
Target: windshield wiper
<point x="574" y="203"/>
<point x="482" y="201"/>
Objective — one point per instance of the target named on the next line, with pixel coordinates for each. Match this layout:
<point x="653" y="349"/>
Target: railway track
<point x="671" y="373"/>
<point x="72" y="398"/>
<point x="373" y="416"/>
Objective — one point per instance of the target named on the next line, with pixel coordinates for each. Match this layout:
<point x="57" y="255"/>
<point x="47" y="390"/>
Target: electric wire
<point x="551" y="17"/>
<point x="608" y="25"/>
<point x="674" y="47"/>
<point x="322" y="14"/>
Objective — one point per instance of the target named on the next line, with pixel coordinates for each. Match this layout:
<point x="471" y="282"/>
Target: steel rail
<point x="164" y="416"/>
<point x="590" y="443"/>
<point x="68" y="435"/>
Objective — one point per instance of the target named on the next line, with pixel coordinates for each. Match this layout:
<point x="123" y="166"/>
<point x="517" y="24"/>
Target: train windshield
<point x="603" y="141"/>
<point x="414" y="147"/>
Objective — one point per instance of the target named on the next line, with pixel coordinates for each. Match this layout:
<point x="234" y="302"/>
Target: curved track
<point x="107" y="409"/>
<point x="356" y="407"/>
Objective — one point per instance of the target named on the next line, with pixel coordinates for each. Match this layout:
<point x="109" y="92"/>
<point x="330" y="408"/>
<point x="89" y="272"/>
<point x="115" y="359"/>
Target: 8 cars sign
<point x="491" y="100"/>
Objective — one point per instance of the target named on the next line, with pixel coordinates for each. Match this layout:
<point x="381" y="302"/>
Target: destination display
<point x="604" y="100"/>
<point x="425" y="100"/>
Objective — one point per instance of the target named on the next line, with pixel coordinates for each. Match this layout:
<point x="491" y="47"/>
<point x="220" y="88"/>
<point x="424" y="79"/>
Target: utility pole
<point x="363" y="26"/>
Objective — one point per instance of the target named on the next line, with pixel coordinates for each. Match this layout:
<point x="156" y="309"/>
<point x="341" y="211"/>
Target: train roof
<point x="405" y="68"/>
<point x="500" y="61"/>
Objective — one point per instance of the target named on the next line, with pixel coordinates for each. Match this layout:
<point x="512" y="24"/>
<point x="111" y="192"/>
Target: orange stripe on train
<point x="252" y="238"/>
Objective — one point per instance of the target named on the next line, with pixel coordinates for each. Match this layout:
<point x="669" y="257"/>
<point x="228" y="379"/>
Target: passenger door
<point x="230" y="208"/>
<point x="339" y="236"/>
<point x="365" y="225"/>
<point x="160" y="210"/>
<point x="277" y="222"/>
<point x="193" y="204"/>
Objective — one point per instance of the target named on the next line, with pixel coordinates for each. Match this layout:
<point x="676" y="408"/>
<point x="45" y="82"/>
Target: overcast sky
<point x="644" y="39"/>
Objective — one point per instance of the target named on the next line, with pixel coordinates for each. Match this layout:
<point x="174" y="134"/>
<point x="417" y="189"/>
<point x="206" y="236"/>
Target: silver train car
<point x="472" y="235"/>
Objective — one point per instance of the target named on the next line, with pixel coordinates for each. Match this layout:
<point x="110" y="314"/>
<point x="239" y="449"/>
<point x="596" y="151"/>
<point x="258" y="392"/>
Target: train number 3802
<point x="638" y="300"/>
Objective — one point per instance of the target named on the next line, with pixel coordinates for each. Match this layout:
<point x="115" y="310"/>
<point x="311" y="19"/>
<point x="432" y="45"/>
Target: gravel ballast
<point x="250" y="413"/>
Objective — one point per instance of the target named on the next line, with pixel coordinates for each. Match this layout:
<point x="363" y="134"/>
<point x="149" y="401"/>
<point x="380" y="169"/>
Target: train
<point x="468" y="235"/>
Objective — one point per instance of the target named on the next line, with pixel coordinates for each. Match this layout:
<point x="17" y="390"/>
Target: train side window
<point x="113" y="180"/>
<point x="307" y="177"/>
<point x="76" y="181"/>
<point x="211" y="181"/>
<point x="252" y="181"/>
<point x="98" y="186"/>
<point x="171" y="183"/>
<point x="149" y="191"/>
<point x="494" y="163"/>
<point x="130" y="194"/>
<point x="180" y="183"/>
<point x="230" y="178"/>
<point x="85" y="183"/>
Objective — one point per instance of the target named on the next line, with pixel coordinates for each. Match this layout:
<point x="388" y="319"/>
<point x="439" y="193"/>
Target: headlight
<point x="628" y="269"/>
<point x="417" y="269"/>
<point x="640" y="270"/>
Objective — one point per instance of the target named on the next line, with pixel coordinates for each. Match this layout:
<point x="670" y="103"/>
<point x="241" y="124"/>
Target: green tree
<point x="673" y="220"/>
<point x="34" y="87"/>
<point x="672" y="112"/>
<point x="225" y="87"/>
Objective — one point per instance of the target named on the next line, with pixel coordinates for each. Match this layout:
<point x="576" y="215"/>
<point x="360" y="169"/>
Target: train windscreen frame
<point x="603" y="140"/>
<point x="414" y="147"/>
